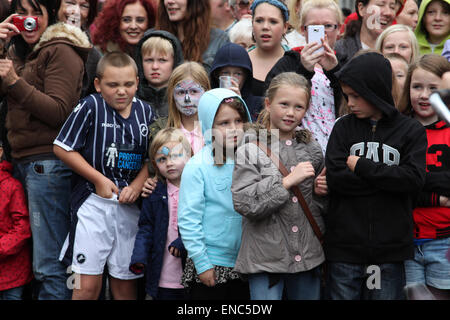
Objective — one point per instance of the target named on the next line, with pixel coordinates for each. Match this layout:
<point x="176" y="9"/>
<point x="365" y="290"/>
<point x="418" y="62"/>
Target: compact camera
<point x="28" y="23"/>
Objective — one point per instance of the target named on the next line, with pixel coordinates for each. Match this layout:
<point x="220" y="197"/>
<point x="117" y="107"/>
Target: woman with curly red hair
<point x="189" y="21"/>
<point x="121" y="24"/>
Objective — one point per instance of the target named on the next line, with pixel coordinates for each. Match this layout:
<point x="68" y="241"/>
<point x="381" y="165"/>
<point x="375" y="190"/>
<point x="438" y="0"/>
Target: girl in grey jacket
<point x="279" y="248"/>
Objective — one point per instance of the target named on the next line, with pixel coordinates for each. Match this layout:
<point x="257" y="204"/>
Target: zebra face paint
<point x="187" y="94"/>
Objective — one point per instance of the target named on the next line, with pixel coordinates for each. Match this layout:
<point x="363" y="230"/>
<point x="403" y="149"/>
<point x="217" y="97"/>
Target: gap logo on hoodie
<point x="391" y="156"/>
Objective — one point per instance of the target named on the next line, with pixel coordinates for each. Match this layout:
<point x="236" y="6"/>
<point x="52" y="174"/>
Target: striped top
<point x="114" y="146"/>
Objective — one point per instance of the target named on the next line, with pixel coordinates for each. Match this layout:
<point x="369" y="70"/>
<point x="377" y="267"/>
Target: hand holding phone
<point x="315" y="34"/>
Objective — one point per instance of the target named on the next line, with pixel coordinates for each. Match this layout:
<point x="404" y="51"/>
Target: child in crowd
<point x="186" y="85"/>
<point x="279" y="248"/>
<point x="432" y="214"/>
<point x="399" y="39"/>
<point x="433" y="27"/>
<point x="375" y="162"/>
<point x="233" y="60"/>
<point x="158" y="53"/>
<point x="209" y="225"/>
<point x="15" y="232"/>
<point x="399" y="67"/>
<point x="104" y="141"/>
<point x="158" y="247"/>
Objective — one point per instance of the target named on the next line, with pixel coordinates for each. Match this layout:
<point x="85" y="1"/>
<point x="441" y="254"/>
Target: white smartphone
<point x="315" y="34"/>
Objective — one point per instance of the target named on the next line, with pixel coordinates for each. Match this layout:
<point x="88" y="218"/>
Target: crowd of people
<point x="211" y="150"/>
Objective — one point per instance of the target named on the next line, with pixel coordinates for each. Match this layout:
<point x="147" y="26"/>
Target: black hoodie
<point x="370" y="213"/>
<point x="234" y="55"/>
<point x="156" y="98"/>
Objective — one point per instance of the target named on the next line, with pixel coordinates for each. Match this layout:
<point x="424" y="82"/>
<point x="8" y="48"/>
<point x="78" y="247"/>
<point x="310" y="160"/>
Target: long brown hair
<point x="236" y="104"/>
<point x="433" y="63"/>
<point x="196" y="27"/>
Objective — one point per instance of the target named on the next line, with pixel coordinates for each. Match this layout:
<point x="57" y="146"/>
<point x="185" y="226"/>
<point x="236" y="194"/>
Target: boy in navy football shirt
<point x="104" y="141"/>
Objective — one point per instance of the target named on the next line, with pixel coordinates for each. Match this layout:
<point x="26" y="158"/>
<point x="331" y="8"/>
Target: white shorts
<point x="105" y="233"/>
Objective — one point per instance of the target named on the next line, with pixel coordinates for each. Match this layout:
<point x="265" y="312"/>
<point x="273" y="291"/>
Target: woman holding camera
<point x="41" y="79"/>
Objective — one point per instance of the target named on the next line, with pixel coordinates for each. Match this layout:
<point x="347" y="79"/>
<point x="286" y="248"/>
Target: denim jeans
<point x="349" y="281"/>
<point x="430" y="264"/>
<point x="299" y="286"/>
<point x="12" y="294"/>
<point x="47" y="185"/>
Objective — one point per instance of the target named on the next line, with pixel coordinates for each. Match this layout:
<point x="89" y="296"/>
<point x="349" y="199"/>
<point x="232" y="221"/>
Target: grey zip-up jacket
<point x="276" y="235"/>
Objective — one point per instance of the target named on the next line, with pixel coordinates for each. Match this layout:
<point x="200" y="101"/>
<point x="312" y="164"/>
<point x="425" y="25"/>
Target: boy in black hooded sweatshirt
<point x="234" y="57"/>
<point x="375" y="162"/>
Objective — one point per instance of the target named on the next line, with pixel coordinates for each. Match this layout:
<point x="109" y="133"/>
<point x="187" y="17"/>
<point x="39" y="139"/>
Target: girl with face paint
<point x="187" y="93"/>
<point x="186" y="85"/>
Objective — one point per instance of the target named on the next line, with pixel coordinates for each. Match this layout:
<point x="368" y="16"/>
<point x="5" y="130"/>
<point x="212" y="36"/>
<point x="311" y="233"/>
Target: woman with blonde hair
<point x="295" y="37"/>
<point x="326" y="95"/>
<point x="400" y="39"/>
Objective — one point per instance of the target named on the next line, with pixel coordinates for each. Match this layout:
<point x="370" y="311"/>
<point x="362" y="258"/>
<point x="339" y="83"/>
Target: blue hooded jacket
<point x="233" y="55"/>
<point x="209" y="226"/>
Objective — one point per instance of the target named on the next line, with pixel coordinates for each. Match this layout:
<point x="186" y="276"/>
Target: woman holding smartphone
<point x="42" y="81"/>
<point x="317" y="66"/>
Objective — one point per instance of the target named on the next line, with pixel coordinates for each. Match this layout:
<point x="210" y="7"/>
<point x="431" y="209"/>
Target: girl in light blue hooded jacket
<point x="209" y="226"/>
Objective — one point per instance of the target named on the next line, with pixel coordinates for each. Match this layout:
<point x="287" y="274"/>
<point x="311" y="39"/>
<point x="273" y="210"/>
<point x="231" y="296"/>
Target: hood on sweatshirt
<point x="209" y="105"/>
<point x="370" y="75"/>
<point x="421" y="33"/>
<point x="177" y="51"/>
<point x="232" y="55"/>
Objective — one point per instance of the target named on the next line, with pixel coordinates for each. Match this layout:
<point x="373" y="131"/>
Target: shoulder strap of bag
<point x="295" y="189"/>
